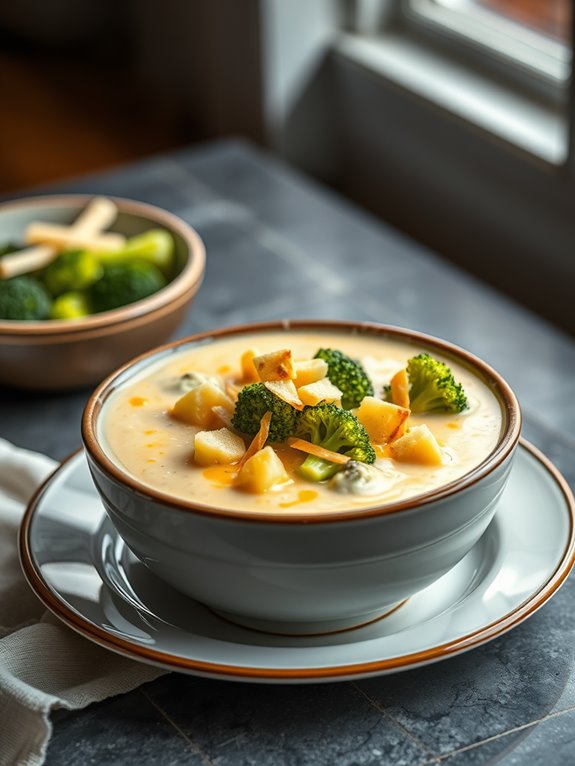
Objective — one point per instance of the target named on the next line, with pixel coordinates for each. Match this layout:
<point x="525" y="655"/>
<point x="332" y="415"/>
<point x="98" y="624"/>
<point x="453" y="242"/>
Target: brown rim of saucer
<point x="201" y="667"/>
<point x="507" y="443"/>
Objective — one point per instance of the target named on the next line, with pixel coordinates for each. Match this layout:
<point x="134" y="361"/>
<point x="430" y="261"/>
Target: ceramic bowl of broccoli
<point x="88" y="282"/>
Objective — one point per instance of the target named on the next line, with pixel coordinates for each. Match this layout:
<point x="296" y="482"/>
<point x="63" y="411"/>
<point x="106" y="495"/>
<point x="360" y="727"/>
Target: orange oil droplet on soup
<point x="151" y="431"/>
<point x="221" y="475"/>
<point x="224" y="369"/>
<point x="454" y="425"/>
<point x="138" y="401"/>
<point x="303" y="496"/>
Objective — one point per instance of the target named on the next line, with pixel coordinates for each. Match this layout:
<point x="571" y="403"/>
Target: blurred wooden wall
<point x="88" y="86"/>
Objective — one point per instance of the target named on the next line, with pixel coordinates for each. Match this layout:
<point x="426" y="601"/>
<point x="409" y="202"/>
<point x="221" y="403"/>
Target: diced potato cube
<point x="285" y="390"/>
<point x="261" y="472"/>
<point x="418" y="445"/>
<point x="321" y="391"/>
<point x="309" y="370"/>
<point x="249" y="372"/>
<point x="400" y="389"/>
<point x="277" y="365"/>
<point x="195" y="407"/>
<point x="220" y="446"/>
<point x="382" y="420"/>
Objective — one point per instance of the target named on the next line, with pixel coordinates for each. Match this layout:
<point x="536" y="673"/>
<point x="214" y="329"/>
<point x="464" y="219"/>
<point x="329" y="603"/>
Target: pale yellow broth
<point x="139" y="434"/>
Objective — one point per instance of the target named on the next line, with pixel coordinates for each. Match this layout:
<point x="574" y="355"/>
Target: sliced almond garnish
<point x="259" y="440"/>
<point x="400" y="389"/>
<point x="65" y="237"/>
<point x="314" y="449"/>
<point x="286" y="391"/>
<point x="24" y="261"/>
<point x="97" y="216"/>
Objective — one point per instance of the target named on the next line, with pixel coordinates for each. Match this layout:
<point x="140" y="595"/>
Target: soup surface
<point x="140" y="435"/>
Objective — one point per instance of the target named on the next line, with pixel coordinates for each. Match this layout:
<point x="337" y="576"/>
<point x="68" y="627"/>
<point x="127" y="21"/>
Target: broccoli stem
<point x="316" y="469"/>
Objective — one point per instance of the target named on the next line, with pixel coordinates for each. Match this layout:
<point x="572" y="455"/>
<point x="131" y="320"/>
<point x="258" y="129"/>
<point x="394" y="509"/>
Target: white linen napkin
<point x="43" y="664"/>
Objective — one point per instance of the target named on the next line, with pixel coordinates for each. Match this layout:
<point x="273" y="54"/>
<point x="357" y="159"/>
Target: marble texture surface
<point x="280" y="246"/>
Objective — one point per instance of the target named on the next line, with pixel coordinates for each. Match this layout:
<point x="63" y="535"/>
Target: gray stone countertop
<point x="280" y="246"/>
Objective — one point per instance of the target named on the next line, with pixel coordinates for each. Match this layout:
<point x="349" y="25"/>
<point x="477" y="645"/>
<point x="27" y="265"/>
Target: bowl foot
<point x="311" y="628"/>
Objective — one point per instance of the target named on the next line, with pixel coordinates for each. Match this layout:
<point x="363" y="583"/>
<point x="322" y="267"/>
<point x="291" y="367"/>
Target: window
<point x="504" y="66"/>
<point x="533" y="34"/>
<point x="457" y="127"/>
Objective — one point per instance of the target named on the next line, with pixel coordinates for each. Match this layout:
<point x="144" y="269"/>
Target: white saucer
<point x="81" y="569"/>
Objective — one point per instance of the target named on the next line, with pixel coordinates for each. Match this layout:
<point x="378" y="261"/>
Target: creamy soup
<point x="140" y="435"/>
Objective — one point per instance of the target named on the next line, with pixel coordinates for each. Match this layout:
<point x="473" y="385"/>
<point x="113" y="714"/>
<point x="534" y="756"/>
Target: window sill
<point x="519" y="119"/>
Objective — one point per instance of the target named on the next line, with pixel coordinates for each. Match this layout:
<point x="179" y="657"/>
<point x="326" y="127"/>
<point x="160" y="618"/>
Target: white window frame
<point x="523" y="105"/>
<point x="536" y="54"/>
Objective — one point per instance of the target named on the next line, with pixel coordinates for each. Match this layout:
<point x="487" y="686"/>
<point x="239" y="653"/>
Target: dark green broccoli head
<point x="432" y="387"/>
<point x="9" y="247"/>
<point x="24" y="298"/>
<point x="347" y="375"/>
<point x="253" y="403"/>
<point x="72" y="270"/>
<point x="335" y="429"/>
<point x="123" y="283"/>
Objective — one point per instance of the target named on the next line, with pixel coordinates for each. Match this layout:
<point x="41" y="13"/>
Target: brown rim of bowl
<point x="190" y="277"/>
<point x="504" y="448"/>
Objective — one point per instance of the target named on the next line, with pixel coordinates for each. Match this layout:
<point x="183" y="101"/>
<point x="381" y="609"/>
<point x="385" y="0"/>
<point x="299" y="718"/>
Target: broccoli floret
<point x="432" y="387"/>
<point x="72" y="270"/>
<point x="124" y="283"/>
<point x="72" y="305"/>
<point x="253" y="402"/>
<point x="335" y="429"/>
<point x="155" y="246"/>
<point x="9" y="247"/>
<point x="24" y="298"/>
<point x="347" y="375"/>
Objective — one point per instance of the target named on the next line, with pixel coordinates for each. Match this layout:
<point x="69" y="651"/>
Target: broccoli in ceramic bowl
<point x="87" y="283"/>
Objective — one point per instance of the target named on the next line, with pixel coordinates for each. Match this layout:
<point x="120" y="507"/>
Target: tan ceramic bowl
<point x="298" y="572"/>
<point x="59" y="354"/>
